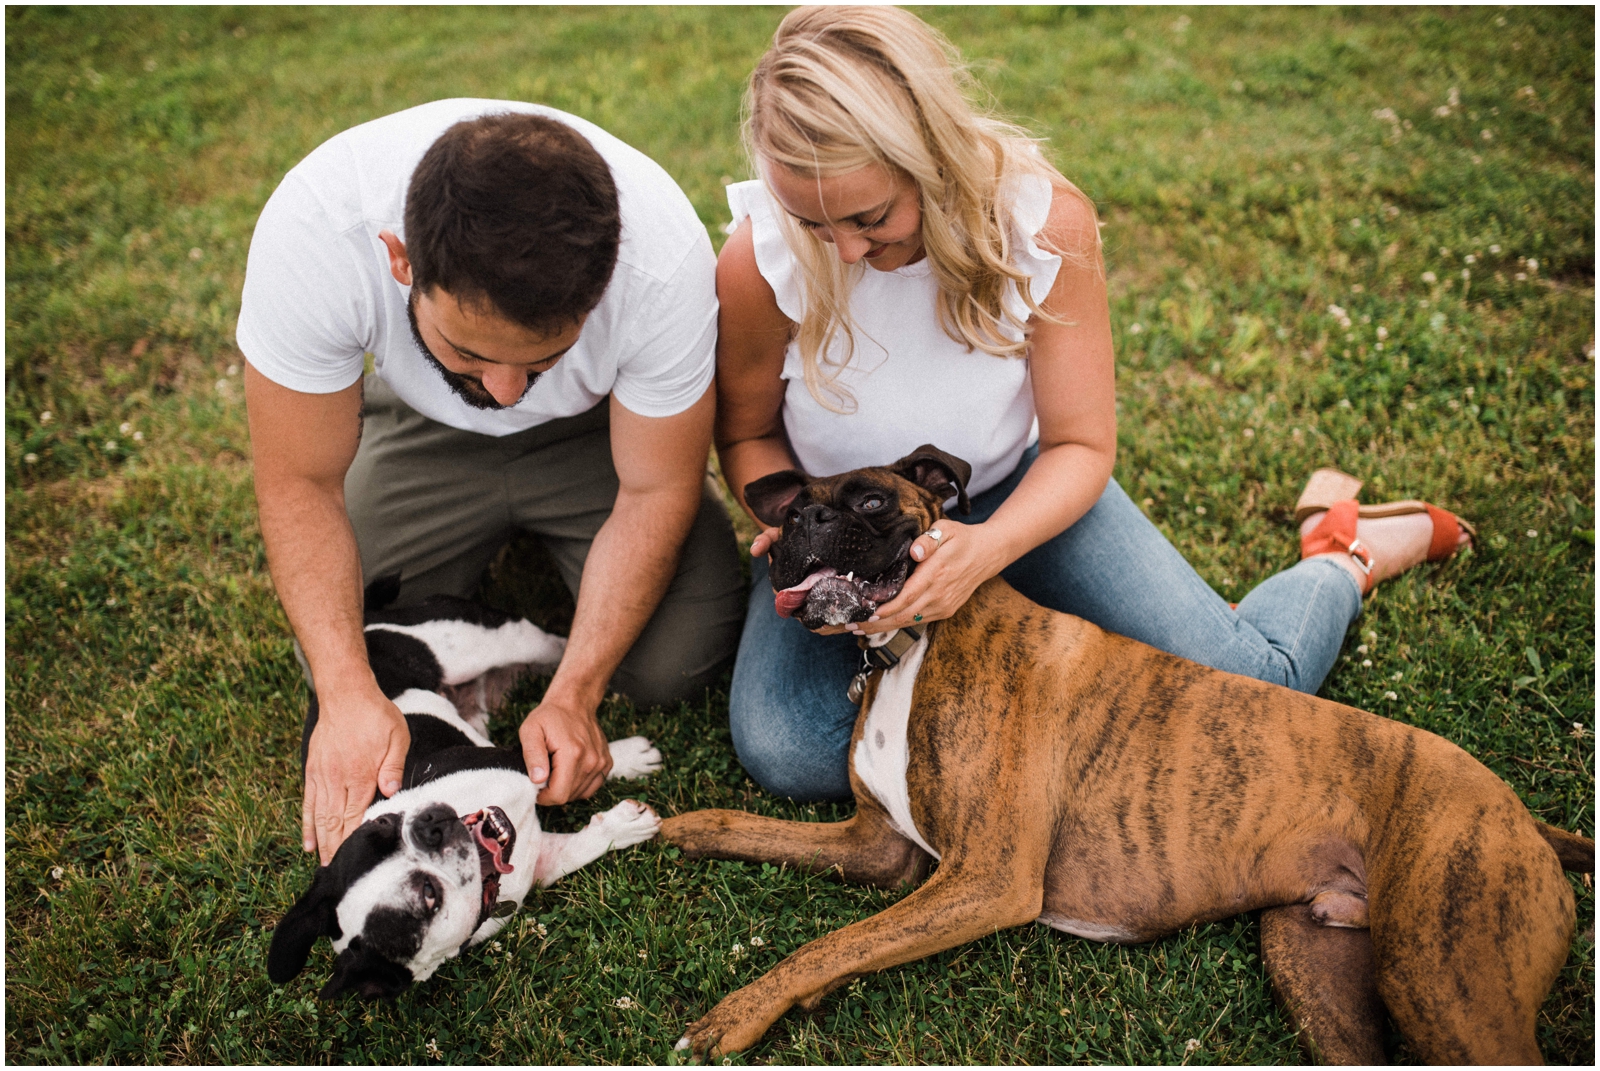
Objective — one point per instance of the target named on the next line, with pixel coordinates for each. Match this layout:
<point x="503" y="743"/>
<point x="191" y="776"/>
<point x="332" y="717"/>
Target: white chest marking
<point x="881" y="755"/>
<point x="421" y="701"/>
<point x="466" y="651"/>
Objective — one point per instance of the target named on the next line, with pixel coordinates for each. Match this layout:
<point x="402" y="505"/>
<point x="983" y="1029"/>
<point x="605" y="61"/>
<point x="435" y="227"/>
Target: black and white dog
<point x="443" y="862"/>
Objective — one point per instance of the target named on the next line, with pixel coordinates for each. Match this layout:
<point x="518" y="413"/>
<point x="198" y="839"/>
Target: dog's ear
<point x="769" y="497"/>
<point x="934" y="470"/>
<point x="314" y="915"/>
<point x="369" y="974"/>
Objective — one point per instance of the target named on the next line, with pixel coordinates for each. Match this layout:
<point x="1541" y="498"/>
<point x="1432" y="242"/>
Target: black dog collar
<point x="877" y="659"/>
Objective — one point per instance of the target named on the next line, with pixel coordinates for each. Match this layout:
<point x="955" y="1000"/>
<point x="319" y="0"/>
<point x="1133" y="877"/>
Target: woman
<point x="909" y="270"/>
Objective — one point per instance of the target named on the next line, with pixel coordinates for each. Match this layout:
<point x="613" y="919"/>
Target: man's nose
<point x="505" y="383"/>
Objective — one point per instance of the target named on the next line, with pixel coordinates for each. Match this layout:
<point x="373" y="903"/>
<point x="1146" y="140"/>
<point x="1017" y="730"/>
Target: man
<point x="538" y="301"/>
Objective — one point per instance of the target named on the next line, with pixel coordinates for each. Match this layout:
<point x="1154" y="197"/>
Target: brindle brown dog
<point x="1066" y="775"/>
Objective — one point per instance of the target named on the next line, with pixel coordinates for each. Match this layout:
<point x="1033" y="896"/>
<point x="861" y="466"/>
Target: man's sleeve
<point x="671" y="352"/>
<point x="307" y="304"/>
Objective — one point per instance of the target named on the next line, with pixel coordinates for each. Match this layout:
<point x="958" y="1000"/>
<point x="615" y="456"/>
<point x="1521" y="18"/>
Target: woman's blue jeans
<point x="791" y="719"/>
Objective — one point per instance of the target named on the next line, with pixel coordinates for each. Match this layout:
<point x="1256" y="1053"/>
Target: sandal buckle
<point x="1361" y="556"/>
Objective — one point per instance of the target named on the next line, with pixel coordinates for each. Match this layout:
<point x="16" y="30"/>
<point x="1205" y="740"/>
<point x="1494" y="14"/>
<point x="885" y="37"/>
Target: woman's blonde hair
<point x="844" y="88"/>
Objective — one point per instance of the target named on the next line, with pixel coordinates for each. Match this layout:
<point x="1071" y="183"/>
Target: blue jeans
<point x="790" y="717"/>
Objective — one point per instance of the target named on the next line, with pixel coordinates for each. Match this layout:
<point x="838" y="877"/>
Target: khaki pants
<point x="435" y="505"/>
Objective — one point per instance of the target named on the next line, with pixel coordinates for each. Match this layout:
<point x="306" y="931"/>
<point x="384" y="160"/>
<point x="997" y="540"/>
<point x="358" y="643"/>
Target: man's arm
<point x="302" y="446"/>
<point x="661" y="467"/>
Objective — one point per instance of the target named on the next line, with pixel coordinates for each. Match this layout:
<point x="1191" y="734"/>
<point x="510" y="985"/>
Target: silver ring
<point x="935" y="535"/>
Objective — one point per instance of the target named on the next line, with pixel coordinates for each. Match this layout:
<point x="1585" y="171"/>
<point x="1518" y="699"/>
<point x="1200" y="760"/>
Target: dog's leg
<point x="1324" y="977"/>
<point x="626" y="824"/>
<point x="865" y="848"/>
<point x="955" y="906"/>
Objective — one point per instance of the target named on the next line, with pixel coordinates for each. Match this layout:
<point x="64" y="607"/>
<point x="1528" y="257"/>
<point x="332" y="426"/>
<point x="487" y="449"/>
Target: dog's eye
<point x="870" y="502"/>
<point x="430" y="896"/>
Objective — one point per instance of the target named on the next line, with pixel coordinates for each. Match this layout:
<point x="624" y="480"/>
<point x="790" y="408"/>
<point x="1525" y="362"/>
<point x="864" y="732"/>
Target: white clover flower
<point x="1396" y="676"/>
<point x="233" y="370"/>
<point x="1442" y="111"/>
<point x="1344" y="403"/>
<point x="125" y="427"/>
<point x="1390" y="695"/>
<point x="1470" y="259"/>
<point x="432" y="1049"/>
<point x="1356" y="222"/>
<point x="1362" y="649"/>
<point x="757" y="942"/>
<point x="1494" y="249"/>
<point x="195" y="253"/>
<point x="1429" y="277"/>
<point x="625" y="1003"/>
<point x="1366" y="663"/>
<point x="1135" y="328"/>
<point x="1455" y="97"/>
<point x="1386" y="115"/>
<point x="1521" y="277"/>
<point x="111" y="446"/>
<point x="541" y="931"/>
<point x="1249" y="433"/>
<point x="1337" y="313"/>
<point x="1533" y="265"/>
<point x="138" y="436"/>
<point x="1470" y="391"/>
<point x="30" y="459"/>
<point x="1383" y="332"/>
<point x="1525" y="91"/>
<point x="643" y="954"/>
<point x="57" y="873"/>
<point x="1190" y="1046"/>
<point x="1533" y="533"/>
<point x="1487" y="135"/>
<point x="1466" y="273"/>
<point x="46" y="417"/>
<point x="495" y="946"/>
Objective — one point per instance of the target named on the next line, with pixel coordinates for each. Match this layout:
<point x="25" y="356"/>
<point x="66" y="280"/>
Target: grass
<point x="152" y="786"/>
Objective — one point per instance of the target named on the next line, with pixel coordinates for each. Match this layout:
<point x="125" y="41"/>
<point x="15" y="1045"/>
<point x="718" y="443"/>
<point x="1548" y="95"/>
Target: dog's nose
<point x="431" y="824"/>
<point x="818" y="516"/>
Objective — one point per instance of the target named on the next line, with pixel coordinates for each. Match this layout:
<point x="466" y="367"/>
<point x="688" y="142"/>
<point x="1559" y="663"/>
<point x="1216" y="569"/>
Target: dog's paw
<point x="633" y="757"/>
<point x="628" y="823"/>
<point x="540" y="650"/>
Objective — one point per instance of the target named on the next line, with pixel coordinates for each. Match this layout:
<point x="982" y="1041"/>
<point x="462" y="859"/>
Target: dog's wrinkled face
<point x="402" y="895"/>
<point x="846" y="538"/>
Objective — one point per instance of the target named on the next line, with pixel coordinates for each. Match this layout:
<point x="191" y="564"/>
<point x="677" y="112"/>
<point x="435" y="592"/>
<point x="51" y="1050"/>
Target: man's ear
<point x="369" y="974"/>
<point x="314" y="915"/>
<point x="934" y="470"/>
<point x="399" y="263"/>
<point x="769" y="497"/>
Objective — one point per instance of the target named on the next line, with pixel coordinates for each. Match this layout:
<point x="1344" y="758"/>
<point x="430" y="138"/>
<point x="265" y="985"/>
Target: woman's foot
<point x="1395" y="544"/>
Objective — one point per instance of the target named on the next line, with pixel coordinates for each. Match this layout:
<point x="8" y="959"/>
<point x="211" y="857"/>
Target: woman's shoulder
<point x="1072" y="227"/>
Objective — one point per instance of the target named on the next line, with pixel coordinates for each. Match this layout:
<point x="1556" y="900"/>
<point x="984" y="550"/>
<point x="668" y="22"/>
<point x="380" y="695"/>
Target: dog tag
<point x="858" y="687"/>
<point x="503" y="908"/>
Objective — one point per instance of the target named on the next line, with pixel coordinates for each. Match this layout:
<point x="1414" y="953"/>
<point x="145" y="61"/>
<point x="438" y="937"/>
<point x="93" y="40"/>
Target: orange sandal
<point x="1335" y="492"/>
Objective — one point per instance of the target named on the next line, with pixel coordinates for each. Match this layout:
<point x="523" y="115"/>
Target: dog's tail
<point x="1575" y="852"/>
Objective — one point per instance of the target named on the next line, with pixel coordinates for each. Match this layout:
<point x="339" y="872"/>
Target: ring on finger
<point x="935" y="535"/>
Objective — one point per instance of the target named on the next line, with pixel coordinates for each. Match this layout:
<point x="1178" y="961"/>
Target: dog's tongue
<point x="788" y="601"/>
<point x="493" y="848"/>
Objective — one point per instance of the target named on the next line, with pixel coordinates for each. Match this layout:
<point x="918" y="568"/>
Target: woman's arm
<point x="1073" y="376"/>
<point x="752" y="333"/>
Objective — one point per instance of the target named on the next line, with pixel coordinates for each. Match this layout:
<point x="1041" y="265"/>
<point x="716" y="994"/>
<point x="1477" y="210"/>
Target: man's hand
<point x="562" y="742"/>
<point x="765" y="542"/>
<point x="357" y="746"/>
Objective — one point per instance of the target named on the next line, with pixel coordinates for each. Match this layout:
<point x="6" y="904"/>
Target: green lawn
<point x="1430" y="173"/>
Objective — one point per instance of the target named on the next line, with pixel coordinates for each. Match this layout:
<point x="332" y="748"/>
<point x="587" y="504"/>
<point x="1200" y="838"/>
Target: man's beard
<point x="466" y="388"/>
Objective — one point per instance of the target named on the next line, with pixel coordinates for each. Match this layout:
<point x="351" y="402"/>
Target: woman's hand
<point x="765" y="542"/>
<point x="949" y="570"/>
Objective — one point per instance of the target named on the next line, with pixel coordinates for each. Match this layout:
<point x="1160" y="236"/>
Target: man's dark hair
<point x="516" y="212"/>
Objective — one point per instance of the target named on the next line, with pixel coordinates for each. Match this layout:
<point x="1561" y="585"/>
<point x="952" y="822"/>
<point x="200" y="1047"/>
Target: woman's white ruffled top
<point x="910" y="382"/>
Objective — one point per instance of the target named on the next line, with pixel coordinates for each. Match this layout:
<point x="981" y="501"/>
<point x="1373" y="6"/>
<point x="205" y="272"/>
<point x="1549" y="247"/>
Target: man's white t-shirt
<point x="318" y="295"/>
